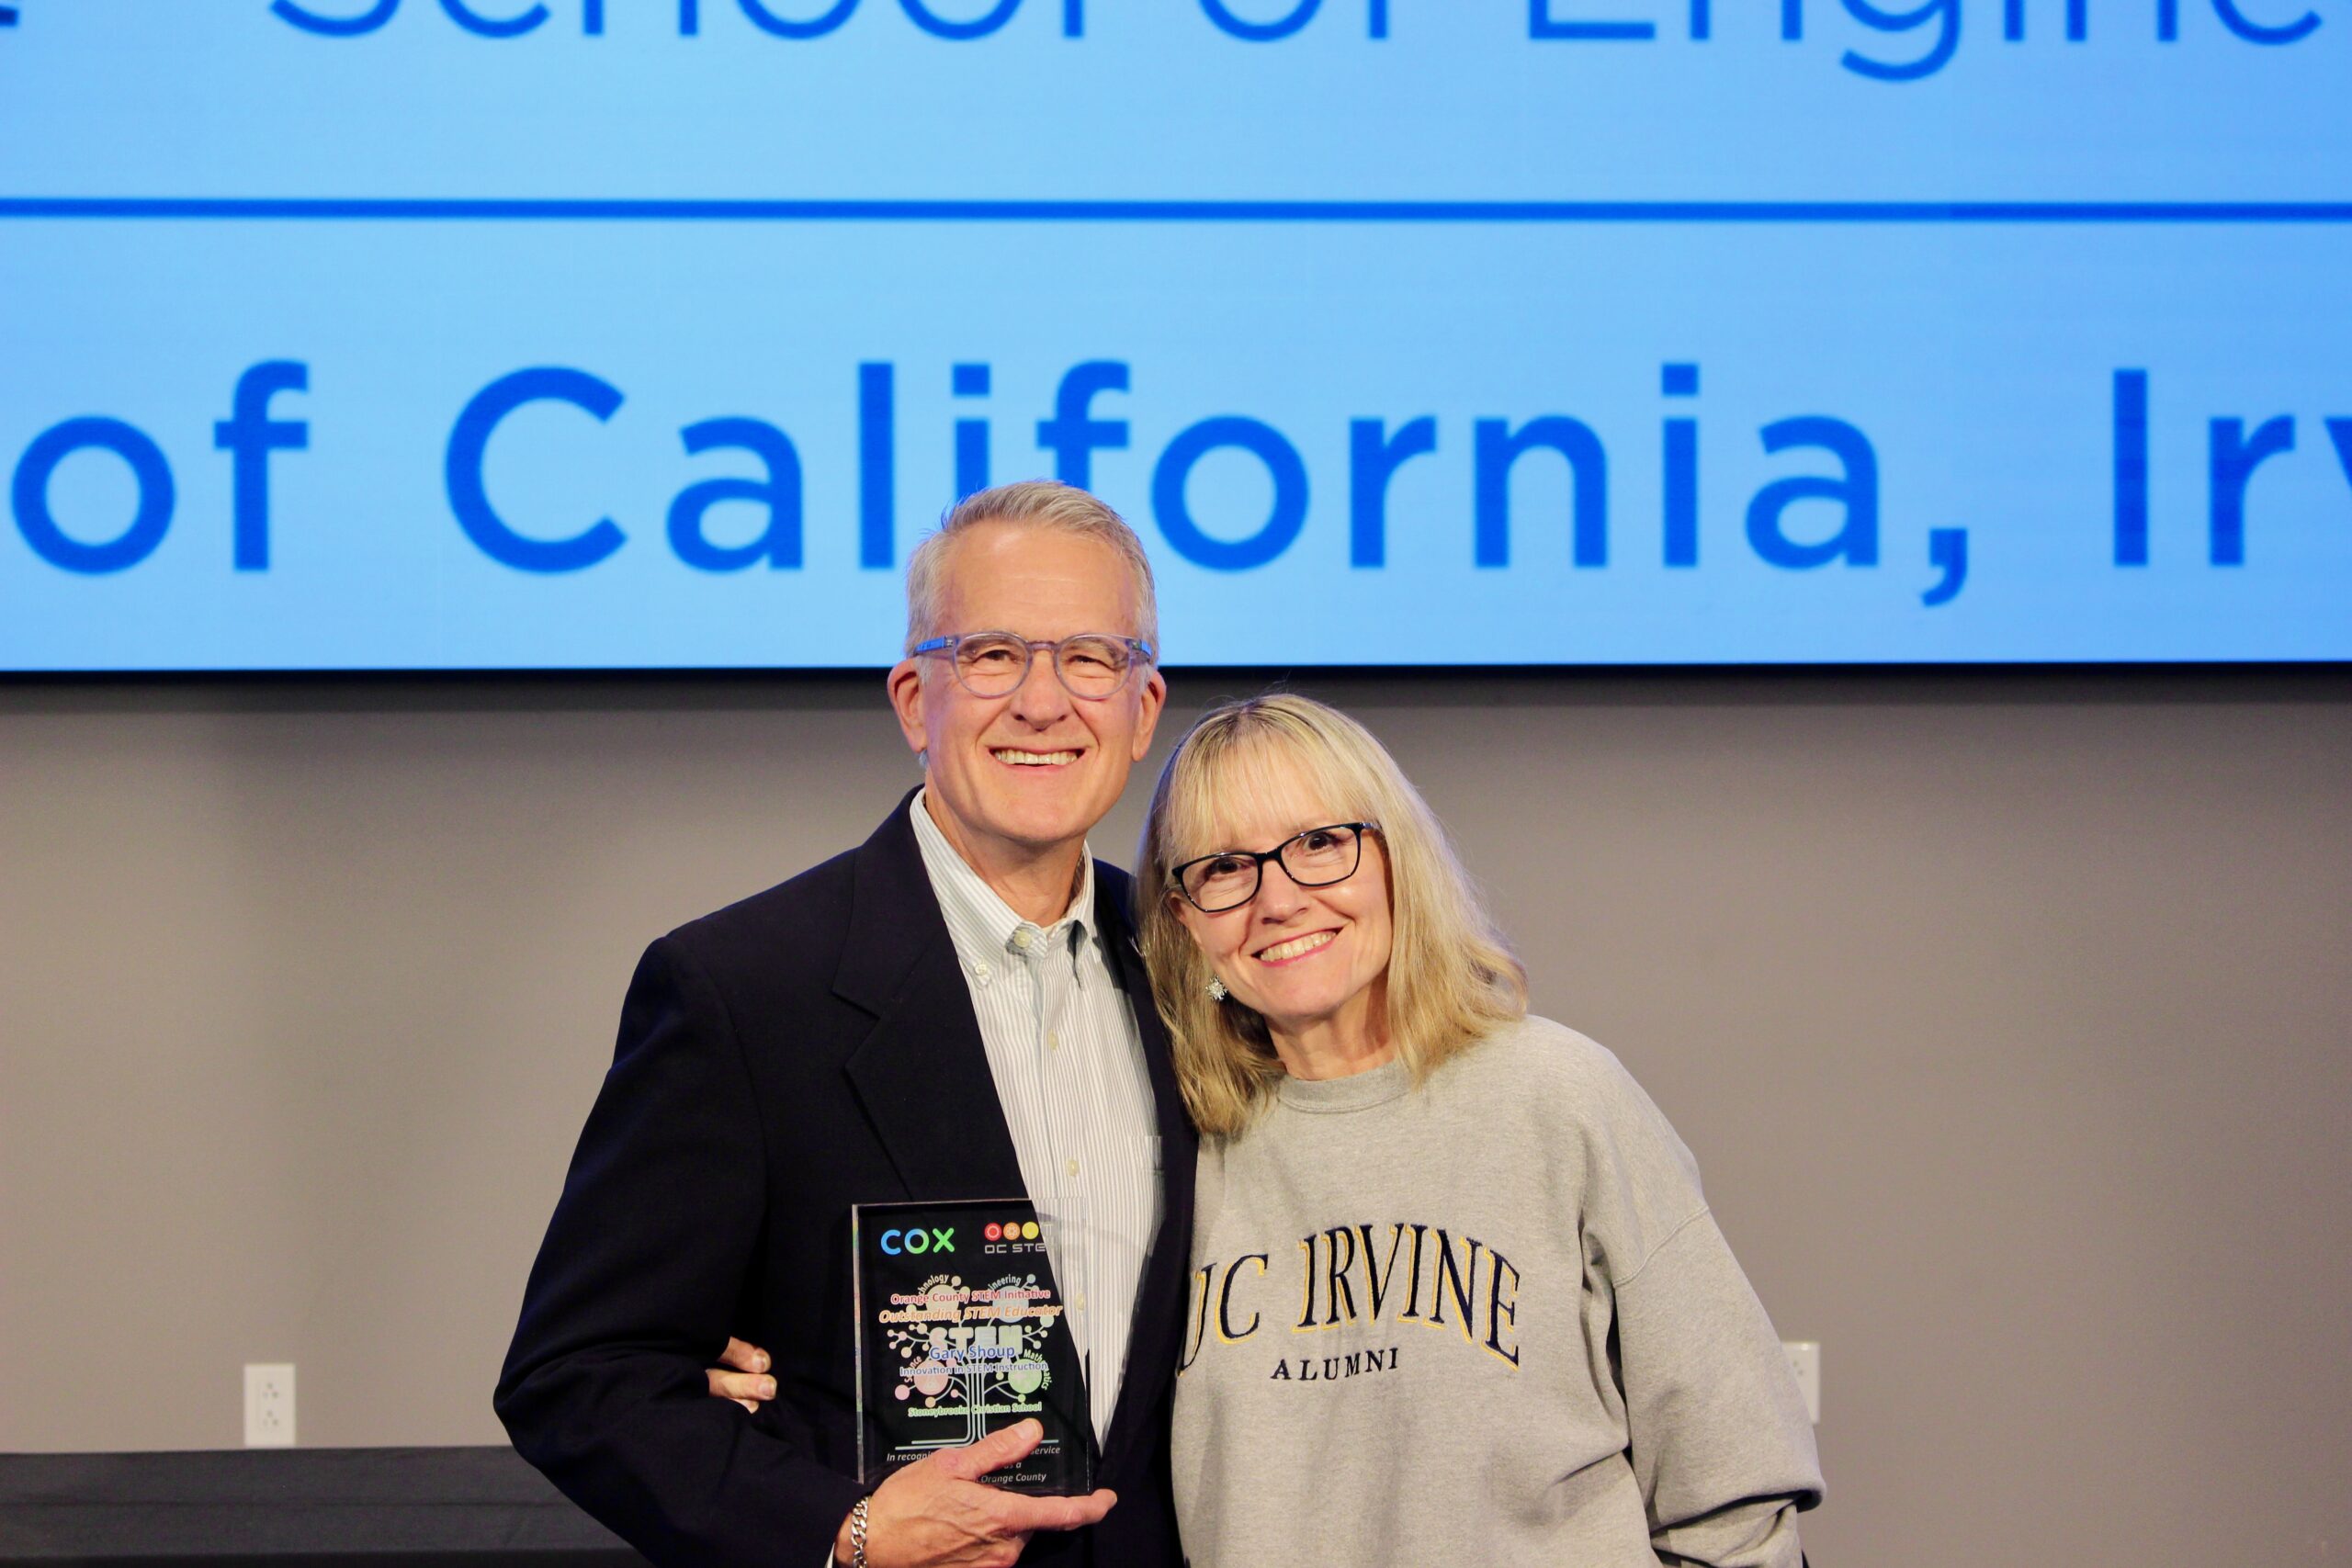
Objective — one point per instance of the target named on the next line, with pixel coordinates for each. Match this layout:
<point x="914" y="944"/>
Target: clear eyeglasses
<point x="1089" y="664"/>
<point x="1317" y="858"/>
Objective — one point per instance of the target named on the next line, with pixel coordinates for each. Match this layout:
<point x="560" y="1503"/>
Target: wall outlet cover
<point x="269" y="1405"/>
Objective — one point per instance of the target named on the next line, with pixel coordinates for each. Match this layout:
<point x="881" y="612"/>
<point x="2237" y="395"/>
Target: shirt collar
<point x="977" y="919"/>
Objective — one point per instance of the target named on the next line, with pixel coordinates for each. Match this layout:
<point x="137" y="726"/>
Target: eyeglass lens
<point x="991" y="665"/>
<point x="1315" y="858"/>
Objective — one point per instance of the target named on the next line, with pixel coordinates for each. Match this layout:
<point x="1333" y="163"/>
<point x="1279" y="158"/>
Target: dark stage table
<point x="295" y="1508"/>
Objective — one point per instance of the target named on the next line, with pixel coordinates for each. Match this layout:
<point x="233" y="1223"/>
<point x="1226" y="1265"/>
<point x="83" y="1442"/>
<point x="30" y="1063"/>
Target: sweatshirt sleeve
<point x="1715" y="1427"/>
<point x="1721" y="1446"/>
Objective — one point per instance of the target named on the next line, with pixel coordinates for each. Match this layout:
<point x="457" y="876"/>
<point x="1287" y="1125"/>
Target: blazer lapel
<point x="1159" y="1296"/>
<point x="921" y="1073"/>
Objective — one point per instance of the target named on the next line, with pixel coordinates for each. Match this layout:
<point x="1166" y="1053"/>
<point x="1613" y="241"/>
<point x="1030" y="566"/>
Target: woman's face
<point x="1305" y="959"/>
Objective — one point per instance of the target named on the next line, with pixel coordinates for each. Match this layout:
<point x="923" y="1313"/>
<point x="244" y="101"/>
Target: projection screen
<point x="501" y="334"/>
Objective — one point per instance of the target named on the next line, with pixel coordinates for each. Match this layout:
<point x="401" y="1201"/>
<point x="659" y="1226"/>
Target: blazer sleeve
<point x="652" y="1246"/>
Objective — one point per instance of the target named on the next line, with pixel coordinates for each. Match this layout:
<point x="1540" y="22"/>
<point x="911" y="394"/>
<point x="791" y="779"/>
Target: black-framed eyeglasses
<point x="1315" y="858"/>
<point x="1089" y="664"/>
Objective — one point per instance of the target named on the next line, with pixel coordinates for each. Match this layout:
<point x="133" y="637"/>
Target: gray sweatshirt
<point x="1489" y="1321"/>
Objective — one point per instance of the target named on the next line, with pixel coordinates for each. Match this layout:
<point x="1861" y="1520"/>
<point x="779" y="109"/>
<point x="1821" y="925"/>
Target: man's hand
<point x="748" y="1383"/>
<point x="937" y="1513"/>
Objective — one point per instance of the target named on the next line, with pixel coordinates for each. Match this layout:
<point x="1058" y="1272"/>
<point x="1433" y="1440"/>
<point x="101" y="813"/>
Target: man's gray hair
<point x="1036" y="503"/>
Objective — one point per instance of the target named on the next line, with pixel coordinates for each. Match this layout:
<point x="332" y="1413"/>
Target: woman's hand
<point x="748" y="1385"/>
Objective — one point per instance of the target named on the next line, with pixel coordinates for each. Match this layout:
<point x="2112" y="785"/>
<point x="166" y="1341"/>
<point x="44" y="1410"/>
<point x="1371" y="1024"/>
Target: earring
<point x="1217" y="988"/>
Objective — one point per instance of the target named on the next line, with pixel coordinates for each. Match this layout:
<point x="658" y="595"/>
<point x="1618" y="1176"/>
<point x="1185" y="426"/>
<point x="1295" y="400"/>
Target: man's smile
<point x="1025" y="758"/>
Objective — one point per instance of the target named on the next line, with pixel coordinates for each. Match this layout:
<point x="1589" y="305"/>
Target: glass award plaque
<point x="960" y="1333"/>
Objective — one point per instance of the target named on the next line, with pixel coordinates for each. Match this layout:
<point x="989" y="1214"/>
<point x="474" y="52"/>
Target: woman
<point x="1456" y="1296"/>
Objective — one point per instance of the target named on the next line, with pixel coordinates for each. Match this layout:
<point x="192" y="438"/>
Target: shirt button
<point x="1021" y="938"/>
<point x="1078" y="1304"/>
<point x="980" y="973"/>
<point x="1072" y="1168"/>
<point x="1053" y="1040"/>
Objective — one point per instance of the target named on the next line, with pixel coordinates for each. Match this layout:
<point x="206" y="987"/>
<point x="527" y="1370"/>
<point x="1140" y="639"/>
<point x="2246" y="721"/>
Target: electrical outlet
<point x="269" y="1405"/>
<point x="1804" y="1359"/>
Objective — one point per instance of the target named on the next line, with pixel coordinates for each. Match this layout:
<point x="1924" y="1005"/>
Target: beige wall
<point x="2008" y="1014"/>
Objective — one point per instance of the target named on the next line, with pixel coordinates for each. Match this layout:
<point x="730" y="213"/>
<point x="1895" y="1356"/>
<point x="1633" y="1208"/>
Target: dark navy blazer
<point x="811" y="1047"/>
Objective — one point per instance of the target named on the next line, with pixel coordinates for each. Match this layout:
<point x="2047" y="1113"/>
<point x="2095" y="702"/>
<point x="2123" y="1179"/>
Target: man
<point x="955" y="1009"/>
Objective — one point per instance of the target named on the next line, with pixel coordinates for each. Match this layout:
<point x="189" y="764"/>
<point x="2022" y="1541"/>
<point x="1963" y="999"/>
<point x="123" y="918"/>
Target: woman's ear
<point x="1182" y="907"/>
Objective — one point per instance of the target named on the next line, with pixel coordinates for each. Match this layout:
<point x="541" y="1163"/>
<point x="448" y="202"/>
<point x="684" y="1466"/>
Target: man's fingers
<point x="746" y="1388"/>
<point x="1026" y="1514"/>
<point x="743" y="1358"/>
<point x="994" y="1451"/>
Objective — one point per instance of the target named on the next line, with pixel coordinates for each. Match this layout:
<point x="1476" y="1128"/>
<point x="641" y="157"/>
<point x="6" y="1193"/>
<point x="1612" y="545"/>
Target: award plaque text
<point x="960" y="1333"/>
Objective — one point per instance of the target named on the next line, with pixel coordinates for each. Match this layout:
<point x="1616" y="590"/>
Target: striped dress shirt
<point x="1068" y="1059"/>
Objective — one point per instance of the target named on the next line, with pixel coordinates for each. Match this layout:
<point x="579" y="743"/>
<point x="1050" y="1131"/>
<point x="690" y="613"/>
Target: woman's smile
<point x="1296" y="948"/>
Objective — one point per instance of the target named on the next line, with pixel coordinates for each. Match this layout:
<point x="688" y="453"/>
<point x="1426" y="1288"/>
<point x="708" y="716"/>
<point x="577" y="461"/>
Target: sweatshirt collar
<point x="1357" y="1091"/>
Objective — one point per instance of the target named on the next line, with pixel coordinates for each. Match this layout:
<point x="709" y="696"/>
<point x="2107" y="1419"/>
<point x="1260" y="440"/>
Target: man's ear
<point x="905" y="685"/>
<point x="1150" y="701"/>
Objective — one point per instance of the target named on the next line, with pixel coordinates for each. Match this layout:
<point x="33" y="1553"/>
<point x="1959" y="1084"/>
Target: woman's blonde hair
<point x="1451" y="977"/>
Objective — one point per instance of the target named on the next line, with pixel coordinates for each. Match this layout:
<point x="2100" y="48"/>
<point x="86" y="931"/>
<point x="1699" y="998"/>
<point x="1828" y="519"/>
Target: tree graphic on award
<point x="981" y="1355"/>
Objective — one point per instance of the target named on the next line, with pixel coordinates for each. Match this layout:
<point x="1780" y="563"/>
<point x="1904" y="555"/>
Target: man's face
<point x="1016" y="776"/>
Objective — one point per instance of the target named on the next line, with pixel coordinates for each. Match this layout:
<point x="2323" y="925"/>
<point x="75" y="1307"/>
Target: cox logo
<point x="912" y="1239"/>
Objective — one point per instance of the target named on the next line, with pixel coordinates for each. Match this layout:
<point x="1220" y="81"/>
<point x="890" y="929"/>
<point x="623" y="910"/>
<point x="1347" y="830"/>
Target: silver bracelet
<point x="857" y="1531"/>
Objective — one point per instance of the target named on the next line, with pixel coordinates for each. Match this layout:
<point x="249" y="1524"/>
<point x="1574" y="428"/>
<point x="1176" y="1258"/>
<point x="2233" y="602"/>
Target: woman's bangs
<point x="1264" y="767"/>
